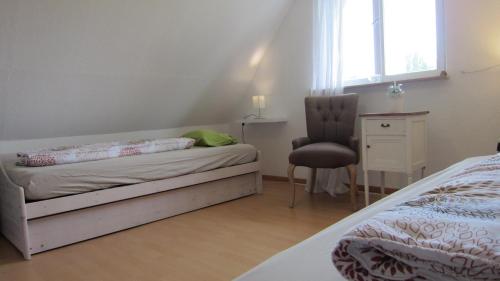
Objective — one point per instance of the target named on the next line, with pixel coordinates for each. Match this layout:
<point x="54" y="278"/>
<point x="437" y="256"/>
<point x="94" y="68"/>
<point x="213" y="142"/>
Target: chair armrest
<point x="296" y="143"/>
<point x="354" y="145"/>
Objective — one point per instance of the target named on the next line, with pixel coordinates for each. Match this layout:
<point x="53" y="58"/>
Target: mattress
<point x="54" y="181"/>
<point x="311" y="259"/>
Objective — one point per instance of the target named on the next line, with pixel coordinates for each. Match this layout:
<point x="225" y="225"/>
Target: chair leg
<point x="351" y="169"/>
<point x="312" y="185"/>
<point x="291" y="169"/>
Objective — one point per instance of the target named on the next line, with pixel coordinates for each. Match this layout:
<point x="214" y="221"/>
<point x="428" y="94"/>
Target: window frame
<point x="379" y="51"/>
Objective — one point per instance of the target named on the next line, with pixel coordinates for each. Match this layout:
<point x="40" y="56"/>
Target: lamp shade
<point x="259" y="101"/>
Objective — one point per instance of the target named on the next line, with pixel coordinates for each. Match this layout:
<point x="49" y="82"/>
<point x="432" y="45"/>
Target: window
<point x="387" y="40"/>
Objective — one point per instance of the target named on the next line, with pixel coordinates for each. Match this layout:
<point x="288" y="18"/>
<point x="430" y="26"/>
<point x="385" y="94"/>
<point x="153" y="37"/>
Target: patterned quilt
<point x="449" y="233"/>
<point x="99" y="151"/>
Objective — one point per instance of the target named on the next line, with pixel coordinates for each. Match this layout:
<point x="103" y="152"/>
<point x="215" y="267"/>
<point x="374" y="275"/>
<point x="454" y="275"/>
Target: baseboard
<point x="285" y="179"/>
<point x="374" y="189"/>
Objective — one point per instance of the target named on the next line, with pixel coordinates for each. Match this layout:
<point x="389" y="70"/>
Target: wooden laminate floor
<point x="215" y="243"/>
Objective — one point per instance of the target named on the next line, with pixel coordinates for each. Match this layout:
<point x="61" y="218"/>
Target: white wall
<point x="465" y="110"/>
<point x="103" y="66"/>
<point x="14" y="146"/>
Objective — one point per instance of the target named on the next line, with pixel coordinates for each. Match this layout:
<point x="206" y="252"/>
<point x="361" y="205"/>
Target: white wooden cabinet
<point x="393" y="142"/>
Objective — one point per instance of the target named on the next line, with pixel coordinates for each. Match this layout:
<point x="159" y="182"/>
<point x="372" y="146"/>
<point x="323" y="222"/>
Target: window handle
<point x="385" y="125"/>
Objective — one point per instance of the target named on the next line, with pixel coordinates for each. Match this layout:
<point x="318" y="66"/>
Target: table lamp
<point x="259" y="102"/>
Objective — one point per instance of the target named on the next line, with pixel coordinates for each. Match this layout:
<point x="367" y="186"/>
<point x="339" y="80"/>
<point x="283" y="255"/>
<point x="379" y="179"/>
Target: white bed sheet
<point x="310" y="260"/>
<point x="60" y="180"/>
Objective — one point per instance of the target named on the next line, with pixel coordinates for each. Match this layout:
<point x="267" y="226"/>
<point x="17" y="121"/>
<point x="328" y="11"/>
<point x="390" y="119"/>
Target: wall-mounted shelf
<point x="266" y="120"/>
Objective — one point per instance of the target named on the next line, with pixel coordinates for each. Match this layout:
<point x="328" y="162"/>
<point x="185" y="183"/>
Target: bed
<point x="312" y="258"/>
<point x="43" y="208"/>
<point x="40" y="183"/>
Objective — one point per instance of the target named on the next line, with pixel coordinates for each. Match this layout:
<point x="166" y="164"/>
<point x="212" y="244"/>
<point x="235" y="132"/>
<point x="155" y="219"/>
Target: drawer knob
<point x="385" y="125"/>
<point x="368" y="146"/>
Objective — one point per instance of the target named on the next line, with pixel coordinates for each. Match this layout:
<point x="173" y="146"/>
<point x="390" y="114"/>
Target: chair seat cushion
<point x="323" y="155"/>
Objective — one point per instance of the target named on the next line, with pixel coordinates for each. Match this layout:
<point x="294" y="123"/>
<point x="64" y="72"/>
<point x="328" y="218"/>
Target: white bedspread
<point x="310" y="260"/>
<point x="60" y="180"/>
<point x="99" y="151"/>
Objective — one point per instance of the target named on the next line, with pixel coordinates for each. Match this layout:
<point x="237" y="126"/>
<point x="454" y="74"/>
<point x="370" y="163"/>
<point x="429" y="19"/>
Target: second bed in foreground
<point x="312" y="258"/>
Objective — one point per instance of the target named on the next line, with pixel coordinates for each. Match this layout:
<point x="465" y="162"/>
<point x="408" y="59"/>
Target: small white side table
<point x="393" y="142"/>
<point x="264" y="120"/>
<point x="260" y="121"/>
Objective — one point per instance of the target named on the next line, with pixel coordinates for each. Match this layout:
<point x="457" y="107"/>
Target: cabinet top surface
<point x="388" y="114"/>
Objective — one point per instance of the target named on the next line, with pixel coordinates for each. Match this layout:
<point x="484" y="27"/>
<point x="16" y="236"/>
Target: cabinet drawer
<point x="385" y="127"/>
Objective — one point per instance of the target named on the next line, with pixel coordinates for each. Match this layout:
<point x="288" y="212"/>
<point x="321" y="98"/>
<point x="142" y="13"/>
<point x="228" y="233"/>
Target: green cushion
<point x="210" y="138"/>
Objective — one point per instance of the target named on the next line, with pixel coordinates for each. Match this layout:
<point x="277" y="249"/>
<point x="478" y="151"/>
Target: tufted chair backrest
<point x="331" y="118"/>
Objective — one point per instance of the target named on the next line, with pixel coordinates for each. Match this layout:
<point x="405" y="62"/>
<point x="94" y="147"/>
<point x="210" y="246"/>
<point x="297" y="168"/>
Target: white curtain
<point x="327" y="72"/>
<point x="327" y="47"/>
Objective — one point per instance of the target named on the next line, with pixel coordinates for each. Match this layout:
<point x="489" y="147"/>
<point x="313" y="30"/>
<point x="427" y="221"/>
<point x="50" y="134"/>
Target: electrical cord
<point x="243" y="125"/>
<point x="481" y="69"/>
<point x="243" y="132"/>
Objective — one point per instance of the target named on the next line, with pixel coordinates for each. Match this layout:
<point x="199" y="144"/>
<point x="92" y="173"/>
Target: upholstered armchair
<point x="330" y="142"/>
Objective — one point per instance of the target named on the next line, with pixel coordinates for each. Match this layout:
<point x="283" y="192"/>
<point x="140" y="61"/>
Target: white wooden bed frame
<point x="43" y="225"/>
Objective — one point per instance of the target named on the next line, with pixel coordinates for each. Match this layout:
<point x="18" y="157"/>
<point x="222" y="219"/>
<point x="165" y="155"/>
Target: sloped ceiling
<point x="102" y="66"/>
